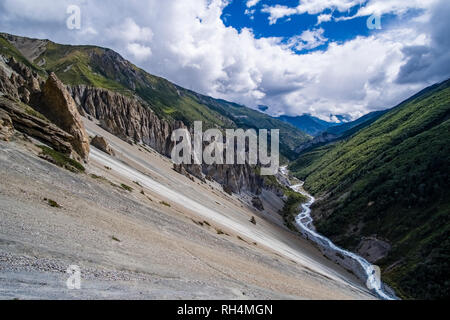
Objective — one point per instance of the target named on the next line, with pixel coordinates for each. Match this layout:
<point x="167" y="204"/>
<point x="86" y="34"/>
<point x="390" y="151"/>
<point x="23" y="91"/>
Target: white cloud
<point x="130" y="31"/>
<point x="277" y="12"/>
<point x="187" y="43"/>
<point x="308" y="6"/>
<point x="252" y="3"/>
<point x="397" y="7"/>
<point x="367" y="8"/>
<point x="308" y="40"/>
<point x="323" y="18"/>
<point x="139" y="51"/>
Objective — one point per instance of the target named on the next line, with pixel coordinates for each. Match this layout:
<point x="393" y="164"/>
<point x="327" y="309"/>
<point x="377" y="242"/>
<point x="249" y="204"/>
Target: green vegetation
<point x="62" y="160"/>
<point x="53" y="203"/>
<point x="165" y="204"/>
<point x="8" y="50"/>
<point x="125" y="187"/>
<point x="392" y="180"/>
<point x="73" y="65"/>
<point x="291" y="209"/>
<point x="30" y="111"/>
<point x="115" y="239"/>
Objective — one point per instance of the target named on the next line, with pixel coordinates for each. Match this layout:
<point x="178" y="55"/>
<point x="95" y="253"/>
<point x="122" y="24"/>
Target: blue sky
<point x="271" y="53"/>
<point x="236" y="14"/>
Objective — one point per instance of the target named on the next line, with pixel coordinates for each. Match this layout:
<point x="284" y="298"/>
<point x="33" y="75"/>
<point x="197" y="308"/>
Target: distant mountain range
<point x="315" y="126"/>
<point x="307" y="123"/>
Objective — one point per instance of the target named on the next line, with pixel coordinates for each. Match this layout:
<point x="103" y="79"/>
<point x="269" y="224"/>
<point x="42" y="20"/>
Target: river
<point x="363" y="269"/>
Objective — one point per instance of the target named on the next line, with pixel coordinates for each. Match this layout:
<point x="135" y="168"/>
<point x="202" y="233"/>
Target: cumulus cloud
<point x="277" y="12"/>
<point x="252" y="3"/>
<point x="432" y="60"/>
<point x="366" y="8"/>
<point x="130" y="31"/>
<point x="139" y="51"/>
<point x="323" y="18"/>
<point x="308" y="40"/>
<point x="188" y="43"/>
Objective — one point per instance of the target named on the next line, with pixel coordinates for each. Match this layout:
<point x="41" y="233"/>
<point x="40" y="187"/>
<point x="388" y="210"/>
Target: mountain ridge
<point x="308" y="123"/>
<point x="389" y="183"/>
<point x="104" y="68"/>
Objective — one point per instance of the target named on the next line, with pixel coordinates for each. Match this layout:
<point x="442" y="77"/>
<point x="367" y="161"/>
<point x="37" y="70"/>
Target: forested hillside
<point x="390" y="182"/>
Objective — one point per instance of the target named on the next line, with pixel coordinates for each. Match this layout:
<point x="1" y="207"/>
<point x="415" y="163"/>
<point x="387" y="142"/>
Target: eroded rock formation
<point x="6" y="126"/>
<point x="130" y="119"/>
<point x="59" y="107"/>
<point x="23" y="121"/>
<point x="103" y="145"/>
<point x="23" y="92"/>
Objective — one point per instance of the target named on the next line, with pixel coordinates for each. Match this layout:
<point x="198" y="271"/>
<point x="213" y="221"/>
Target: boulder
<point x="6" y="126"/>
<point x="373" y="249"/>
<point x="257" y="203"/>
<point x="13" y="114"/>
<point x="60" y="108"/>
<point x="103" y="145"/>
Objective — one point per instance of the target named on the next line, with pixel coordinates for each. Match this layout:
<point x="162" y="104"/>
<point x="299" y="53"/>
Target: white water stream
<point x="370" y="272"/>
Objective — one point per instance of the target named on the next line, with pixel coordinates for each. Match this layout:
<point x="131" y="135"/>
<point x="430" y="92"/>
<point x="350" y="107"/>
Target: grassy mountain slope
<point x="104" y="68"/>
<point x="391" y="180"/>
<point x="8" y="50"/>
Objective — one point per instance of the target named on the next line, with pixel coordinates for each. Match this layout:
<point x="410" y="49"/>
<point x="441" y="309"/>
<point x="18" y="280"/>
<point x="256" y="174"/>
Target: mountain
<point x="103" y="68"/>
<point x="341" y="118"/>
<point x="315" y="126"/>
<point x="364" y="120"/>
<point x="339" y="132"/>
<point x="307" y="123"/>
<point x="385" y="193"/>
<point x="154" y="224"/>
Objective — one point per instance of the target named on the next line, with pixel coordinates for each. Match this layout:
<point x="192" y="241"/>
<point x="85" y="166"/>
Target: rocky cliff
<point x="42" y="109"/>
<point x="57" y="105"/>
<point x="132" y="120"/>
<point x="125" y="117"/>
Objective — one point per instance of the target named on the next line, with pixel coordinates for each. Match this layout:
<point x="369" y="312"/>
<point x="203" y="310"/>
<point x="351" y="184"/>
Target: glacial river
<point x="360" y="266"/>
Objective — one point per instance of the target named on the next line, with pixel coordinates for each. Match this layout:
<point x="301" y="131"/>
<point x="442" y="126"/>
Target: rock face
<point x="18" y="81"/>
<point x="34" y="126"/>
<point x="129" y="119"/>
<point x="59" y="107"/>
<point x="238" y="178"/>
<point x="373" y="249"/>
<point x="101" y="144"/>
<point x="125" y="117"/>
<point x="257" y="203"/>
<point x="22" y="88"/>
<point x="6" y="126"/>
